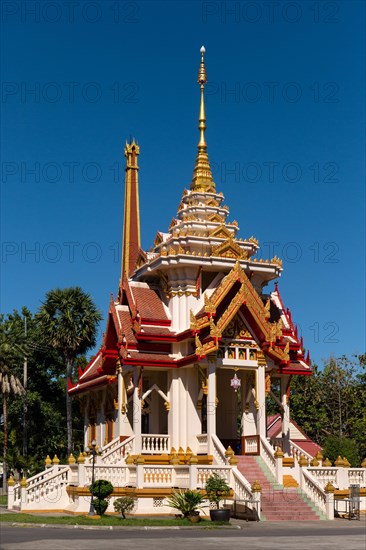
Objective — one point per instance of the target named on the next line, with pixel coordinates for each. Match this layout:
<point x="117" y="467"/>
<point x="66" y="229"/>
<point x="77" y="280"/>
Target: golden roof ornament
<point x="202" y="175"/>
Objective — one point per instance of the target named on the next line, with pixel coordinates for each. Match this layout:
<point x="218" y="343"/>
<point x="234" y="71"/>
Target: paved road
<point x="266" y="535"/>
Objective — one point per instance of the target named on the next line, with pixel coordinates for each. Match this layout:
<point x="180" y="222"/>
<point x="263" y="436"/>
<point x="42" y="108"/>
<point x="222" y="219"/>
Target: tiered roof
<point x="200" y="237"/>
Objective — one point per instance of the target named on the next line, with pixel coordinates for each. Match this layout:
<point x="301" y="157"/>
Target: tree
<point x="10" y="356"/>
<point x="69" y="319"/>
<point x="332" y="404"/>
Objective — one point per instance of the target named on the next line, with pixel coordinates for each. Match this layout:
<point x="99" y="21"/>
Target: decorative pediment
<point x="141" y="259"/>
<point x="221" y="232"/>
<point x="231" y="326"/>
<point x="212" y="202"/>
<point x="158" y="239"/>
<point x="172" y="223"/>
<point x="230" y="249"/>
<point x="216" y="218"/>
<point x="237" y="330"/>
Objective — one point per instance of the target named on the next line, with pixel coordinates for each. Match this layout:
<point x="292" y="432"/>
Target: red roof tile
<point x="91" y="370"/>
<point x="156" y="330"/>
<point x="149" y="303"/>
<point x="125" y="319"/>
<point x="308" y="446"/>
<point x="145" y="356"/>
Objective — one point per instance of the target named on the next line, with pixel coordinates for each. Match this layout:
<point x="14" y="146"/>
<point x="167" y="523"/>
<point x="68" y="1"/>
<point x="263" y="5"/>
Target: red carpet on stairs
<point x="277" y="503"/>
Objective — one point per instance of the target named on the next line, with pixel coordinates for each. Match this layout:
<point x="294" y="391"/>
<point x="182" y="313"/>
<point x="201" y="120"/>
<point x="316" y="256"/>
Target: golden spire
<point x="202" y="175"/>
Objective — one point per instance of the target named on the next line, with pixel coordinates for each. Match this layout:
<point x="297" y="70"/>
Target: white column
<point x="120" y="389"/>
<point x="86" y="422"/>
<point x="183" y="418"/>
<point x="211" y="404"/>
<point x="261" y="398"/>
<point x="249" y="411"/>
<point x="192" y="414"/>
<point x="285" y="415"/>
<point x="174" y="413"/>
<point x="136" y="413"/>
<point x="100" y="419"/>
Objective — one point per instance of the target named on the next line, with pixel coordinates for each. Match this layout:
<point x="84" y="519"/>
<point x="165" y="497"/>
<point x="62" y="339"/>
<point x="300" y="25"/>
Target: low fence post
<point x="303" y="463"/>
<point x="11" y="484"/>
<point x="140" y="461"/>
<point x="193" y="461"/>
<point x="256" y="490"/>
<point x="23" y="492"/>
<point x="329" y="500"/>
<point x="279" y="468"/>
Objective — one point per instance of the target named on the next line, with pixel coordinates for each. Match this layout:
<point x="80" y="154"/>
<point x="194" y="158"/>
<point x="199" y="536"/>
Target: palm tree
<point x="69" y="320"/>
<point x="10" y="357"/>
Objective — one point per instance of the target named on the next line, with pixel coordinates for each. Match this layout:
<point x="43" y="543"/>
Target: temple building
<point x="195" y="342"/>
<point x="192" y="322"/>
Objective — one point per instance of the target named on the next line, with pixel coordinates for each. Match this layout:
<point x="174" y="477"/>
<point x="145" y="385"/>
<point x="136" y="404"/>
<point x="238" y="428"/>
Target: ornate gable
<point x="230" y="249"/>
<point x="236" y="330"/>
<point x="221" y="232"/>
<point x="216" y="218"/>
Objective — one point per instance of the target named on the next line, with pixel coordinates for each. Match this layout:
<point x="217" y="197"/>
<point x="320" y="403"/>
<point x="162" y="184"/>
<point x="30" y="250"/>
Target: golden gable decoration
<point x="229" y="249"/>
<point x="158" y="239"/>
<point x="216" y="218"/>
<point x="221" y="232"/>
<point x="248" y="296"/>
<point x="237" y="330"/>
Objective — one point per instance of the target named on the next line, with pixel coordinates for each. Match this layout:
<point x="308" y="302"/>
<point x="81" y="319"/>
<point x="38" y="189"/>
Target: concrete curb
<point x="122" y="527"/>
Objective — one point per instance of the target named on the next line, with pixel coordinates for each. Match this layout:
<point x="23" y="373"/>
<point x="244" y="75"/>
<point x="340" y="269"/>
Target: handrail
<point x="267" y="454"/>
<point x="242" y="487"/>
<point x="297" y="451"/>
<point x="218" y="450"/>
<point x="118" y="452"/>
<point x="314" y="490"/>
<point x="106" y="448"/>
<point x="155" y="443"/>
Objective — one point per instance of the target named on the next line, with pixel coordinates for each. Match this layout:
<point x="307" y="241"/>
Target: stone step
<point x="278" y="502"/>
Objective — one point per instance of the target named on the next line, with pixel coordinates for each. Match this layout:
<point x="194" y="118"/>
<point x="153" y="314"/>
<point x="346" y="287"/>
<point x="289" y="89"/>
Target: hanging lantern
<point x="235" y="383"/>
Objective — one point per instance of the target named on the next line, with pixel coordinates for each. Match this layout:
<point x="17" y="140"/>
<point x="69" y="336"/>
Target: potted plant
<point x="124" y="505"/>
<point x="216" y="489"/>
<point x="188" y="502"/>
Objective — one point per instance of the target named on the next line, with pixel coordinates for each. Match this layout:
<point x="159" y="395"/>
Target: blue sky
<point x="285" y="132"/>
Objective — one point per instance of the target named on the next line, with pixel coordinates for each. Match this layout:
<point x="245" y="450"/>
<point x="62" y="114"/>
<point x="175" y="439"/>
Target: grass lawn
<point x="3" y="499"/>
<point x="105" y="520"/>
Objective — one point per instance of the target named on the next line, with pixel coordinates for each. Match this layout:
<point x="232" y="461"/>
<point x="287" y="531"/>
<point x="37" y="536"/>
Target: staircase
<point x="278" y="502"/>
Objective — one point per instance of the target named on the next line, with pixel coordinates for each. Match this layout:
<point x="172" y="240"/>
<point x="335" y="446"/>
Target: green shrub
<point x="217" y="488"/>
<point x="101" y="490"/>
<point x="124" y="505"/>
<point x="100" y="505"/>
<point x="187" y="502"/>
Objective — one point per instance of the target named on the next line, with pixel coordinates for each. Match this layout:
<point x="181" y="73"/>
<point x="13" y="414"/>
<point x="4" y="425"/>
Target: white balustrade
<point x="297" y="452"/>
<point x="204" y="472"/>
<point x="241" y="486"/>
<point x="117" y="475"/>
<point x="357" y="475"/>
<point x="323" y="475"/>
<point x="267" y="453"/>
<point x="155" y="444"/>
<point x="218" y="451"/>
<point x="251" y="444"/>
<point x="159" y="476"/>
<point x="312" y="488"/>
<point x="44" y="490"/>
<point x="116" y="453"/>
